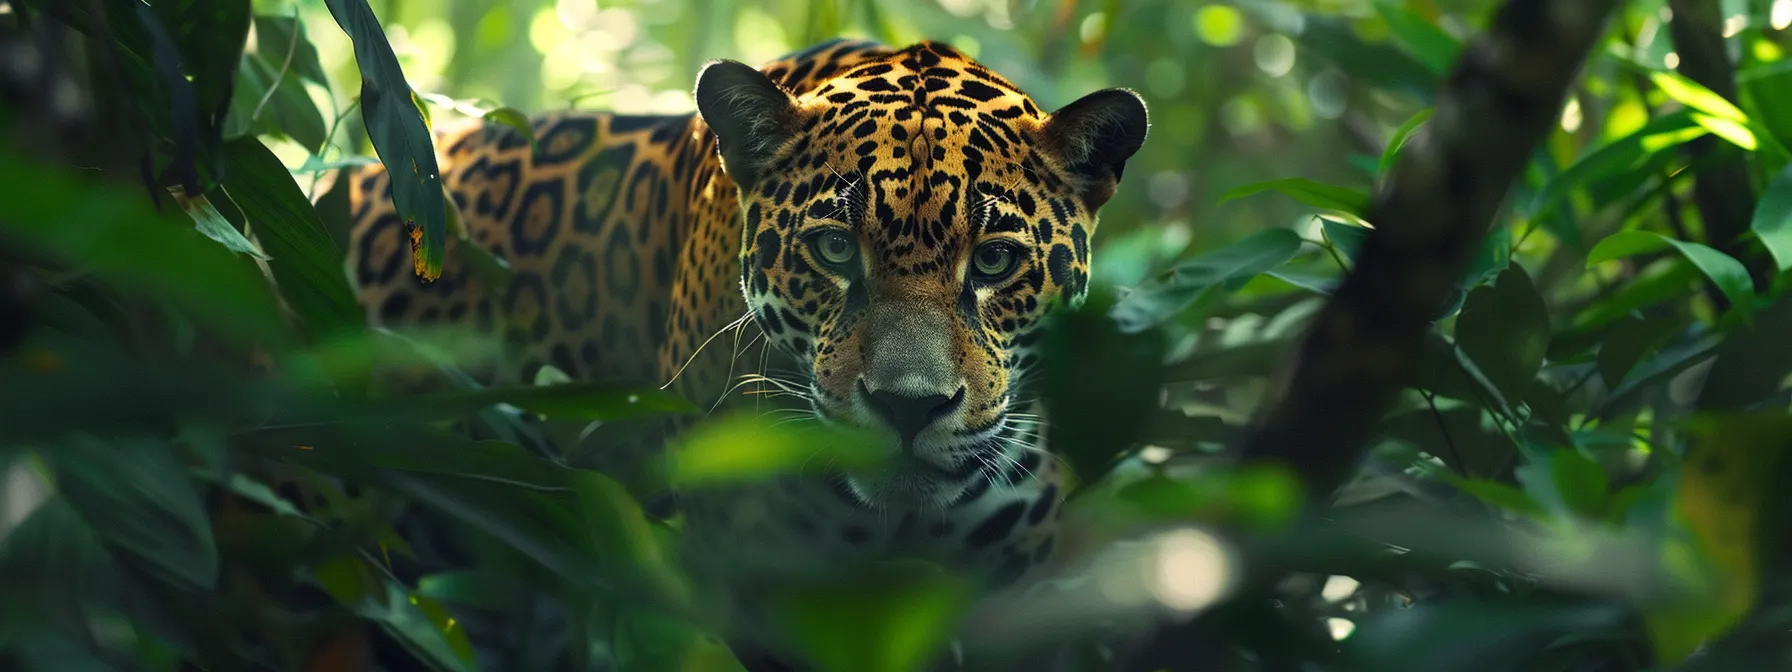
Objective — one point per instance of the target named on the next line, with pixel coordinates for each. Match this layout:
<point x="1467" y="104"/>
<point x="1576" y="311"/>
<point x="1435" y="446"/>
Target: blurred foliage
<point x="201" y="466"/>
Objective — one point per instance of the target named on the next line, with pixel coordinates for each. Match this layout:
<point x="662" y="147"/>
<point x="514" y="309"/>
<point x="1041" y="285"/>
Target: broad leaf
<point x="1773" y="219"/>
<point x="138" y="500"/>
<point x="208" y="221"/>
<point x="1694" y="95"/>
<point x="1159" y="299"/>
<point x="1401" y="136"/>
<point x="114" y="233"/>
<point x="281" y="40"/>
<point x="1723" y="270"/>
<point x="1348" y="239"/>
<point x="1466" y="634"/>
<point x="1734" y="131"/>
<point x="305" y="263"/>
<point x="1626" y="154"/>
<point x="1316" y="194"/>
<point x="894" y="617"/>
<point x="576" y="401"/>
<point x="1505" y="328"/>
<point x="1633" y="339"/>
<point x="1378" y="64"/>
<point x="509" y="116"/>
<point x="1100" y="384"/>
<point x="747" y="449"/>
<point x="400" y="135"/>
<point x="1425" y="40"/>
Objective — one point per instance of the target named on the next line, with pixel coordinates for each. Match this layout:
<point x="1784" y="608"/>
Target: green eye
<point x="994" y="260"/>
<point x="834" y="247"/>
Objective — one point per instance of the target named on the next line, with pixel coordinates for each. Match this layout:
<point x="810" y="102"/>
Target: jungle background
<point x="1575" y="466"/>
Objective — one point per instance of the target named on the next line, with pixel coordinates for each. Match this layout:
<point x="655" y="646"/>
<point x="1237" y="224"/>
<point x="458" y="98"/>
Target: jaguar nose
<point x="909" y="414"/>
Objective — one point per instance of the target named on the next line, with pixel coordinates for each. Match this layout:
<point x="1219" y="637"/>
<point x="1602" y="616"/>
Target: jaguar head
<point x="907" y="224"/>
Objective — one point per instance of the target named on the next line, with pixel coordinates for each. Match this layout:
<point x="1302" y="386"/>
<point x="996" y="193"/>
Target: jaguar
<point x="892" y="225"/>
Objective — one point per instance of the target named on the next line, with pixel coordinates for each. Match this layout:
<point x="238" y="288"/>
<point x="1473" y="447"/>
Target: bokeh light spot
<point x="1219" y="25"/>
<point x="1274" y="54"/>
<point x="1192" y="572"/>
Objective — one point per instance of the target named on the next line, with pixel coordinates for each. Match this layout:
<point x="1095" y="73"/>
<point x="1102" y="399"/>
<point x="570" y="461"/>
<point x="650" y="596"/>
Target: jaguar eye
<point x="834" y="247"/>
<point x="994" y="260"/>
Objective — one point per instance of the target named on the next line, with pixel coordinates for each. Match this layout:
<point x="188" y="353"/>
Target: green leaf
<point x="651" y="640"/>
<point x="1494" y="257"/>
<point x="357" y="451"/>
<point x="51" y="559"/>
<point x="1694" y="95"/>
<point x="1316" y="194"/>
<point x="278" y="36"/>
<point x="140" y="502"/>
<point x="1624" y="155"/>
<point x="620" y="537"/>
<point x="316" y="164"/>
<point x="1504" y="328"/>
<point x="1678" y="355"/>
<point x="1376" y="64"/>
<point x="1425" y="40"/>
<point x="1769" y="86"/>
<point x="1401" y="135"/>
<point x="1467" y="634"/>
<point x="421" y="626"/>
<point x="194" y="46"/>
<point x="258" y="492"/>
<point x="543" y="528"/>
<point x="208" y="221"/>
<point x="306" y="264"/>
<point x="1633" y="339"/>
<point x="211" y="34"/>
<point x="509" y="116"/>
<point x="1100" y="385"/>
<point x="1773" y="219"/>
<point x="1658" y="282"/>
<point x="589" y="401"/>
<point x="1752" y="364"/>
<point x="895" y="616"/>
<point x="288" y="107"/>
<point x="1159" y="299"/>
<point x="1347" y="238"/>
<point x="1258" y="359"/>
<point x="1466" y="438"/>
<point x="1723" y="270"/>
<point x="1736" y="132"/>
<point x="468" y="587"/>
<point x="1567" y="482"/>
<point x="399" y="133"/>
<point x="747" y="449"/>
<point x="113" y="232"/>
<point x="1501" y="495"/>
<point x="1259" y="497"/>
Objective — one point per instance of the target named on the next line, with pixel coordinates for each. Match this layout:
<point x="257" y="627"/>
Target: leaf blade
<point x="400" y="135"/>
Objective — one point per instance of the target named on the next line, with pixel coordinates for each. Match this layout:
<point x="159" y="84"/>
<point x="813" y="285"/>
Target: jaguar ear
<point x="1094" y="137"/>
<point x="752" y="117"/>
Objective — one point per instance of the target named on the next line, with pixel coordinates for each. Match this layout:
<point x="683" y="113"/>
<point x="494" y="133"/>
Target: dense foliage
<point x="204" y="464"/>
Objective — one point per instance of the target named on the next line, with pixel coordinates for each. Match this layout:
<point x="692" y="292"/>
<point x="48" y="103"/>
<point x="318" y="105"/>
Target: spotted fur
<point x="894" y="222"/>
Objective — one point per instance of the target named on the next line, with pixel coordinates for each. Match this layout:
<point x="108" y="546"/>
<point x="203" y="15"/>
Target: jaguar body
<point x="893" y="223"/>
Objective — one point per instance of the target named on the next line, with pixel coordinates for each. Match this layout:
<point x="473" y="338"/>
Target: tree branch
<point x="1496" y="107"/>
<point x="1722" y="193"/>
<point x="1500" y="102"/>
